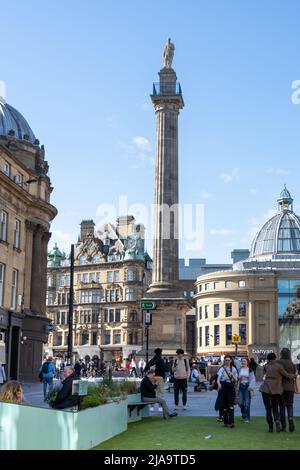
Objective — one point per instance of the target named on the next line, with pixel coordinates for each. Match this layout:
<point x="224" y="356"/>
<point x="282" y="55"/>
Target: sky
<point x="81" y="73"/>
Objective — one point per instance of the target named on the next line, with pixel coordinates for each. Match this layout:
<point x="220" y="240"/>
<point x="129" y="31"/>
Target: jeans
<point x="161" y="401"/>
<point x="244" y="400"/>
<point x="271" y="403"/>
<point x="48" y="382"/>
<point x="180" y="384"/>
<point x="227" y="393"/>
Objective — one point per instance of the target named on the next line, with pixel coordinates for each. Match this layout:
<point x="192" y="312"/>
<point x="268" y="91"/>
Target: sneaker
<point x="172" y="415"/>
<point x="176" y="407"/>
<point x="232" y="425"/>
<point x="246" y="420"/>
<point x="220" y="420"/>
<point x="291" y="425"/>
<point x="184" y="407"/>
<point x="278" y="426"/>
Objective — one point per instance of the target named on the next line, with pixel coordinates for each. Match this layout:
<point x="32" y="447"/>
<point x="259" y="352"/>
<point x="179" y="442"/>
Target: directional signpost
<point x="236" y="340"/>
<point x="146" y="306"/>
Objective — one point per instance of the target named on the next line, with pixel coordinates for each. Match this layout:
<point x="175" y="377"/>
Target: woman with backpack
<point x="227" y="379"/>
<point x="47" y="372"/>
<point x="246" y="388"/>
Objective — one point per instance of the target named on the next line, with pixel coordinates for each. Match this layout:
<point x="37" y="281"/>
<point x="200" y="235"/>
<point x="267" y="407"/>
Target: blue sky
<point x="82" y="72"/>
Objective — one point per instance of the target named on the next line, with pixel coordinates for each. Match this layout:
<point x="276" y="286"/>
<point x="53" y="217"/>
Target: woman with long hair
<point x="287" y="398"/>
<point x="227" y="379"/>
<point x="12" y="392"/>
<point x="246" y="388"/>
<point x="271" y="390"/>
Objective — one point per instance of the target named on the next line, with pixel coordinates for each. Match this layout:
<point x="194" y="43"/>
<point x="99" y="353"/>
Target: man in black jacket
<point x="158" y="364"/>
<point x="148" y="394"/>
<point x="64" y="398"/>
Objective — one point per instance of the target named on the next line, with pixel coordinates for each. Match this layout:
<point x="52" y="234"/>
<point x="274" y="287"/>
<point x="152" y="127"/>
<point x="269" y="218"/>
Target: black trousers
<point x="227" y="400"/>
<point x="271" y="403"/>
<point x="180" y="384"/>
<point x="286" y="402"/>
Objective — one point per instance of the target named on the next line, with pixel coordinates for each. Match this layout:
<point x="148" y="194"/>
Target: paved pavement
<point x="199" y="403"/>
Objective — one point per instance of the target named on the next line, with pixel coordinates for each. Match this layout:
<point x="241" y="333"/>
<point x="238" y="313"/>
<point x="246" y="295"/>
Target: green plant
<point x="128" y="387"/>
<point x="52" y="396"/>
<point x="90" y="401"/>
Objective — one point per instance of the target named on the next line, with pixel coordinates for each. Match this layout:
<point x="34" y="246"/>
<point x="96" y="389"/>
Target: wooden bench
<point x="139" y="405"/>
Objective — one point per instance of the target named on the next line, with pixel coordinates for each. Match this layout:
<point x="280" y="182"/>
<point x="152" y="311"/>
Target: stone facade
<point x="111" y="274"/>
<point x="25" y="212"/>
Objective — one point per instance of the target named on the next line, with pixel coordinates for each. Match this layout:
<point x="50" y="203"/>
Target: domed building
<point x="25" y="216"/>
<point x="255" y="307"/>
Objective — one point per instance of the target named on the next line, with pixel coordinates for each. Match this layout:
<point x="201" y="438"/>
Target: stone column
<point x="167" y="101"/>
<point x="44" y="250"/>
<point x="251" y="325"/>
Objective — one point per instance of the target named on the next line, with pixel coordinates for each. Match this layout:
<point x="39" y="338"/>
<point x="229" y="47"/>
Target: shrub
<point x="90" y="401"/>
<point x="52" y="396"/>
<point x="129" y="387"/>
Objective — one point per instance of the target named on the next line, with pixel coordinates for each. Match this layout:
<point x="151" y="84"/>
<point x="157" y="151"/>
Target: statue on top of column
<point x="168" y="54"/>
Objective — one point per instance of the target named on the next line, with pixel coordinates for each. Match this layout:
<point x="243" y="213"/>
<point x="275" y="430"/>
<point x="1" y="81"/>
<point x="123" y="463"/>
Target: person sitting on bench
<point x="148" y="394"/>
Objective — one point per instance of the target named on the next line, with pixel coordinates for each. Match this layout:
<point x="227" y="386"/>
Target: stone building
<point x="258" y="300"/>
<point x="25" y="215"/>
<point x="112" y="271"/>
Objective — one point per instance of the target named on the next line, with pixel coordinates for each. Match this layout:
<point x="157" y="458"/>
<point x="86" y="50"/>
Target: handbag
<point x="297" y="384"/>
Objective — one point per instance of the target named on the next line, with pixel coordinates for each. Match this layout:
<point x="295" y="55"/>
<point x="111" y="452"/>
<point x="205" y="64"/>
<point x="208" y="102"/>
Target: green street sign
<point x="148" y="305"/>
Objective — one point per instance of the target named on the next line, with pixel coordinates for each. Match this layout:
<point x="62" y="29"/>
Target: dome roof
<point x="13" y="123"/>
<point x="281" y="234"/>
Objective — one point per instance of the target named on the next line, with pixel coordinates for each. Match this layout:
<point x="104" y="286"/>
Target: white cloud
<point x="62" y="238"/>
<point x="231" y="176"/>
<point x="278" y="171"/>
<point x="224" y="232"/>
<point x="142" y="143"/>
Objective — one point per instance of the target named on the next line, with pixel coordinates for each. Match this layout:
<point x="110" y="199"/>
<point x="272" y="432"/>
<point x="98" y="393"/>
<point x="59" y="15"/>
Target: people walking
<point x="227" y="379"/>
<point x="287" y="398"/>
<point x="148" y="394"/>
<point x="246" y="381"/>
<point x="271" y="390"/>
<point x="133" y="371"/>
<point x="253" y="365"/>
<point x="48" y="372"/>
<point x="181" y="370"/>
<point x="141" y="366"/>
<point x="159" y="366"/>
<point x="77" y="368"/>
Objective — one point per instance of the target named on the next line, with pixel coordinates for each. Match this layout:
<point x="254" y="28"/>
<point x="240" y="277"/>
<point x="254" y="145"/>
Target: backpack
<point x="185" y="363"/>
<point x="45" y="368"/>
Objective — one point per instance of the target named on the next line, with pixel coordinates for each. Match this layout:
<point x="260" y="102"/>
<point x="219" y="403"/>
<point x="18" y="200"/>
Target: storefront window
<point x="289" y="315"/>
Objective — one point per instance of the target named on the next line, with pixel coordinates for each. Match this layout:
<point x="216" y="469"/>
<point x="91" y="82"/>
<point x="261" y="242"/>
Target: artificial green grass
<point x="188" y="433"/>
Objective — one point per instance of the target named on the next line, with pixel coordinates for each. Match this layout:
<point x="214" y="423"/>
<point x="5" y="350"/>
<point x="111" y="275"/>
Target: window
<point x="228" y="310"/>
<point x="242" y="332"/>
<point x="86" y="296"/>
<point x="109" y="276"/>
<point x="17" y="227"/>
<point x="49" y="298"/>
<point x="228" y="284"/>
<point x="98" y="277"/>
<point x="117" y="336"/>
<point x="6" y="169"/>
<point x="3" y="227"/>
<point x="216" y="310"/>
<point x="129" y="294"/>
<point x="242" y="283"/>
<point x="95" y="317"/>
<point x="200" y="313"/>
<point x="206" y="311"/>
<point x="94" y="339"/>
<point x="82" y="260"/>
<point x="18" y="178"/>
<point x="50" y="281"/>
<point x="111" y="315"/>
<point x="14" y="289"/>
<point x="96" y="296"/>
<point x="111" y="295"/>
<point x="78" y="278"/>
<point x="133" y="315"/>
<point x="92" y="277"/>
<point x="130" y="275"/>
<point x="228" y="334"/>
<point x="61" y="280"/>
<point x="85" y="338"/>
<point x="216" y="335"/>
<point x="118" y="315"/>
<point x="106" y="315"/>
<point x="206" y="286"/>
<point x="96" y="259"/>
<point x="242" y="309"/>
<point x="107" y="337"/>
<point x="63" y="318"/>
<point x="68" y="280"/>
<point x="200" y="337"/>
<point x="207" y="336"/>
<point x="2" y="277"/>
<point x="217" y="285"/>
<point x="85" y="278"/>
<point x="57" y="339"/>
<point x="117" y="296"/>
<point x="200" y="288"/>
<point x="116" y="276"/>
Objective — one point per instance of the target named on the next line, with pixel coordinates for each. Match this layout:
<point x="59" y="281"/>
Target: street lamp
<point x="71" y="303"/>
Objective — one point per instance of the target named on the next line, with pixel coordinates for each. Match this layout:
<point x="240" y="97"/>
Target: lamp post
<point x="71" y="303"/>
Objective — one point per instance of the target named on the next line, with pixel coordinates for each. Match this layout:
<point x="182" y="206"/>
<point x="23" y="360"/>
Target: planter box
<point x="29" y="428"/>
